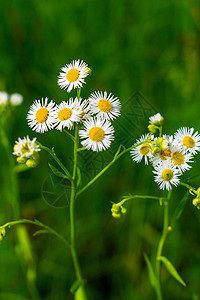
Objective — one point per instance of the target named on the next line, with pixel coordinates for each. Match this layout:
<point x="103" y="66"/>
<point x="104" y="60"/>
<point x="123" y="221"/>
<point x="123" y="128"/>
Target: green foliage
<point x="171" y="269"/>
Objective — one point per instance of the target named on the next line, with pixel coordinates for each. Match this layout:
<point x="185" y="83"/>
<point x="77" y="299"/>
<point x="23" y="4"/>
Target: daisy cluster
<point x="94" y="114"/>
<point x="26" y="151"/>
<point x="170" y="155"/>
<point x="13" y="99"/>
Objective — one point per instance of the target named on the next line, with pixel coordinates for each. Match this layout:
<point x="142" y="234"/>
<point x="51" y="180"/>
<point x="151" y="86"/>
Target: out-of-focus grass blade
<point x="152" y="276"/>
<point x="171" y="269"/>
<point x="179" y="209"/>
<point x="191" y="178"/>
<point x="75" y="286"/>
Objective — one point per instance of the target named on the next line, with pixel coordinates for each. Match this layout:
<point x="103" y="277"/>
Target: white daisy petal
<point x="141" y="151"/>
<point x="188" y="139"/>
<point x="97" y="134"/>
<point x="3" y="98"/>
<point x="105" y="106"/>
<point x="41" y="115"/>
<point x="73" y="75"/>
<point x="155" y="119"/>
<point x="25" y="147"/>
<point x="166" y="175"/>
<point x="66" y="114"/>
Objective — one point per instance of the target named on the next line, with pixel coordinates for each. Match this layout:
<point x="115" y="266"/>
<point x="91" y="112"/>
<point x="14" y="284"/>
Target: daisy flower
<point x="3" y="98"/>
<point x="73" y="75"/>
<point x="188" y="139"/>
<point x="41" y="115"/>
<point x="25" y="147"/>
<point x="181" y="158"/>
<point x="156" y="119"/>
<point x="83" y="107"/>
<point x="105" y="106"/>
<point x="141" y="151"/>
<point x="97" y="134"/>
<point x="66" y="114"/>
<point x="16" y="99"/>
<point x="166" y="175"/>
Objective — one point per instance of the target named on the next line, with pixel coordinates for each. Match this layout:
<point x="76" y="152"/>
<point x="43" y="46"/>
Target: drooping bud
<point x="196" y="202"/>
<point x="31" y="163"/>
<point x="152" y="128"/>
<point x="155" y="150"/>
<point x="2" y="234"/>
<point x="198" y="193"/>
<point x="21" y="160"/>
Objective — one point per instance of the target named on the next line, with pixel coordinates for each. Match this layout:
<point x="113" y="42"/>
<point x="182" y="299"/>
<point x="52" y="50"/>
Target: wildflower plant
<point x="89" y="124"/>
<point x="169" y="156"/>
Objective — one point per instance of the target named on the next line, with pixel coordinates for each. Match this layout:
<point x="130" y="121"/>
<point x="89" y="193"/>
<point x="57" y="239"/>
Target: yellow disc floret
<point x="96" y="134"/>
<point x="25" y="148"/>
<point x="42" y="115"/>
<point x="104" y="105"/>
<point x="64" y="114"/>
<point x="188" y="141"/>
<point x="144" y="149"/>
<point x="73" y="75"/>
<point x="178" y="158"/>
<point x="167" y="175"/>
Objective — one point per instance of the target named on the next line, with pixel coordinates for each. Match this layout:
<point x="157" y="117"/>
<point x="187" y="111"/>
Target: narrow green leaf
<point x="179" y="209"/>
<point x="75" y="286"/>
<point x="152" y="276"/>
<point x="42" y="231"/>
<point x="57" y="172"/>
<point x="171" y="269"/>
<point x="78" y="177"/>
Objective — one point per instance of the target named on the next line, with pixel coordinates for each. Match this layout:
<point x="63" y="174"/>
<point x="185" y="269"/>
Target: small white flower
<point x="16" y="99"/>
<point x="41" y="115"/>
<point x="156" y="119"/>
<point x="141" y="151"/>
<point x="166" y="175"/>
<point x="181" y="158"/>
<point x="73" y="75"/>
<point x="3" y="98"/>
<point x="97" y="134"/>
<point x="25" y="147"/>
<point x="66" y="114"/>
<point x="188" y="139"/>
<point x="105" y="106"/>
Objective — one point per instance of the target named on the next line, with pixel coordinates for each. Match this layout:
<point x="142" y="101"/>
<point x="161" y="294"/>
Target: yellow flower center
<point x="25" y="148"/>
<point x="144" y="149"/>
<point x="188" y="141"/>
<point x="178" y="158"/>
<point x="104" y="105"/>
<point x="64" y="114"/>
<point x="42" y="115"/>
<point x="164" y="154"/>
<point x="96" y="134"/>
<point x="72" y="75"/>
<point x="167" y="175"/>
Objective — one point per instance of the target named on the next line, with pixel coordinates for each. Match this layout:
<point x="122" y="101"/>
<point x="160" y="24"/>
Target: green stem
<point x="72" y="221"/>
<point x="38" y="223"/>
<point x="21" y="232"/>
<point x="116" y="157"/>
<point x="161" y="245"/>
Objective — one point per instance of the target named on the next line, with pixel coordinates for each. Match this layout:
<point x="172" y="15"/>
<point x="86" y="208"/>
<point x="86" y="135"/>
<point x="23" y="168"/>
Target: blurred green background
<point x="148" y="54"/>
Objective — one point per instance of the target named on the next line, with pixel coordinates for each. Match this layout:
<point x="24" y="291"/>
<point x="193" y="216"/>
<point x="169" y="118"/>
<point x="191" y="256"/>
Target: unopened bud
<point x="31" y="163"/>
<point x="198" y="193"/>
<point x="152" y="128"/>
<point x="196" y="202"/>
<point x="116" y="215"/>
<point x="2" y="234"/>
<point x="155" y="150"/>
<point x="123" y="210"/>
<point x="21" y="160"/>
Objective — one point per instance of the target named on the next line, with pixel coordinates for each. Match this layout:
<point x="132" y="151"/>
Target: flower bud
<point x="2" y="234"/>
<point x="196" y="202"/>
<point x="152" y="128"/>
<point x="198" y="193"/>
<point x="21" y="160"/>
<point x="155" y="150"/>
<point x="123" y="210"/>
<point x="31" y="163"/>
<point x="116" y="215"/>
